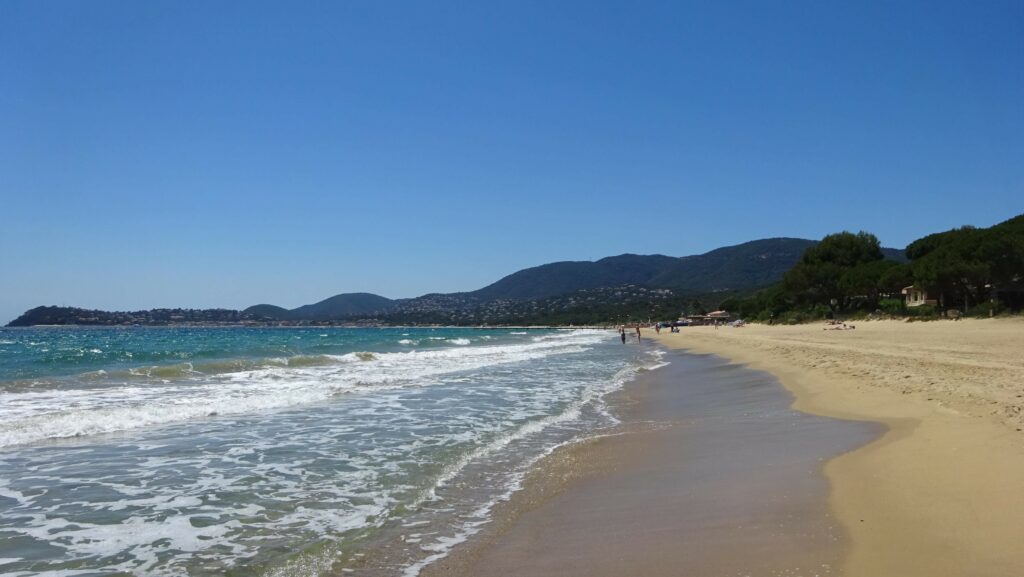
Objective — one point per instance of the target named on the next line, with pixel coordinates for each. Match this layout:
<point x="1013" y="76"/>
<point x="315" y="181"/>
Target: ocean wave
<point x="176" y="393"/>
<point x="593" y="395"/>
<point x="374" y="447"/>
<point x="192" y="370"/>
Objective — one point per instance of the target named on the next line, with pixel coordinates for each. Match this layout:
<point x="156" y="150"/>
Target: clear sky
<point x="200" y="154"/>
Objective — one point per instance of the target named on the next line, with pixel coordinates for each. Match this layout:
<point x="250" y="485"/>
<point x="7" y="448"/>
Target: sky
<point x="223" y="154"/>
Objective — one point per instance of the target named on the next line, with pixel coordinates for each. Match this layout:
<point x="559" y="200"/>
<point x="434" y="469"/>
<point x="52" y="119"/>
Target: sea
<point x="281" y="451"/>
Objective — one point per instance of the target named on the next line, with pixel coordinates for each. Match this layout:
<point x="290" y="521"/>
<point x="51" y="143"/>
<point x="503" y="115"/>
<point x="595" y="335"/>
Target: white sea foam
<point x="357" y="441"/>
<point x="31" y="416"/>
<point x="592" y="395"/>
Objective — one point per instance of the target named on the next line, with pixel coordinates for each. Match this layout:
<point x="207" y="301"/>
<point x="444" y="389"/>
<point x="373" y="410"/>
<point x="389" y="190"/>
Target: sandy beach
<point x="942" y="493"/>
<point x="936" y="490"/>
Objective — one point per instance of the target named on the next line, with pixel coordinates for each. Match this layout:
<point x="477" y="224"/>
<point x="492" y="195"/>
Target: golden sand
<point x="942" y="493"/>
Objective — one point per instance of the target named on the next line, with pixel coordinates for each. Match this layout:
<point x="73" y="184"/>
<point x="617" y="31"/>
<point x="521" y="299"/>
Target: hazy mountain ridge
<point x="343" y="306"/>
<point x="523" y="294"/>
<point x="740" y="267"/>
<point x="54" y="315"/>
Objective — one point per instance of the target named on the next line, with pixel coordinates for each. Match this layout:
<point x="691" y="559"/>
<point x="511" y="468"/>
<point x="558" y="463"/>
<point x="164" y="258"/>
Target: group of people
<point x="672" y="328"/>
<point x="622" y="333"/>
<point x="835" y="325"/>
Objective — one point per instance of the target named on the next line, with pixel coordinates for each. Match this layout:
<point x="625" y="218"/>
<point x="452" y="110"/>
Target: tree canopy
<point x="829" y="272"/>
<point x="963" y="268"/>
<point x="966" y="263"/>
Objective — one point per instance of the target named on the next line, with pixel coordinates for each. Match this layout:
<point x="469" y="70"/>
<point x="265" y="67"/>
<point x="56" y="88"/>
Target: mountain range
<point x="627" y="286"/>
<point x="737" y="268"/>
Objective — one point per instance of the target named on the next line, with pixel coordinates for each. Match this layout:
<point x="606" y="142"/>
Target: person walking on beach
<point x="638" y="332"/>
<point x="622" y="333"/>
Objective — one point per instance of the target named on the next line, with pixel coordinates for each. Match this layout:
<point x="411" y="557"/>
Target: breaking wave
<point x="159" y="395"/>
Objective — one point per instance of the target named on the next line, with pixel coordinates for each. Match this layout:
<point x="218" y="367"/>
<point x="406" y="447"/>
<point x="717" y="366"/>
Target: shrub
<point x="922" y="312"/>
<point x="894" y="307"/>
<point x="985" y="310"/>
<point x="796" y="318"/>
<point x="820" y="312"/>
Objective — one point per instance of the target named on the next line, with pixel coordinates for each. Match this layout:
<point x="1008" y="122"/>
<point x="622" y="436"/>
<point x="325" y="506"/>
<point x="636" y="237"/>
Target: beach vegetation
<point x="964" y="266"/>
<point x="987" y="309"/>
<point x="964" y="271"/>
<point x="922" y="312"/>
<point x="892" y="306"/>
<point x="835" y="270"/>
<point x="895" y="278"/>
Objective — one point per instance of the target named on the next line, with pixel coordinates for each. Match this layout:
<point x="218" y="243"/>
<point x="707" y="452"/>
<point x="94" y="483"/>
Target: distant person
<point x="622" y="333"/>
<point x="638" y="332"/>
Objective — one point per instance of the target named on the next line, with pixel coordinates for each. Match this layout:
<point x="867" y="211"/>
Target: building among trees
<point x="916" y="297"/>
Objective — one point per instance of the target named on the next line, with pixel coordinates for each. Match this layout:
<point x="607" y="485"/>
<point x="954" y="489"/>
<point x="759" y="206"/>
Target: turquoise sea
<point x="279" y="451"/>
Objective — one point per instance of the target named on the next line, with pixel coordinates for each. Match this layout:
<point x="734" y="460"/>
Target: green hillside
<point x="733" y="268"/>
<point x="338" y="307"/>
<point x="269" y="311"/>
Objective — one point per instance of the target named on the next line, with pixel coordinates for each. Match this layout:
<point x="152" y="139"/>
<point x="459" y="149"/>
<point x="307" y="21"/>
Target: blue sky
<point x="230" y="153"/>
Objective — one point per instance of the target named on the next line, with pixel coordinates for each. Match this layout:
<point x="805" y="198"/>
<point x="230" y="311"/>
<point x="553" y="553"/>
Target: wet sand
<point x="942" y="493"/>
<point x="711" y="473"/>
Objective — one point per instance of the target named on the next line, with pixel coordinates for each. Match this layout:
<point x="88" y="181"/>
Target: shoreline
<point x="312" y="326"/>
<point x="940" y="493"/>
<point x="701" y="475"/>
